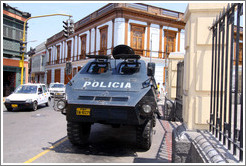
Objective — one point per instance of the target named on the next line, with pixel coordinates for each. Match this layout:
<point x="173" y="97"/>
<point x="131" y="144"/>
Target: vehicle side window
<point x="129" y="68"/>
<point x="44" y="88"/>
<point x="97" y="68"/>
<point x="40" y="90"/>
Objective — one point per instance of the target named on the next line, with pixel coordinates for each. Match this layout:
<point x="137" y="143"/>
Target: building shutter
<point x="57" y="75"/>
<point x="137" y="39"/>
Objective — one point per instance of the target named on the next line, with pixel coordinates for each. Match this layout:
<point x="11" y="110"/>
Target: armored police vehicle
<point x="115" y="91"/>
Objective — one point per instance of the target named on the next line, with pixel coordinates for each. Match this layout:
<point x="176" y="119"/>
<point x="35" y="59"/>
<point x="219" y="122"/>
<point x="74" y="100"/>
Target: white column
<point x="119" y="31"/>
<point x="75" y="45"/>
<point x="197" y="63"/>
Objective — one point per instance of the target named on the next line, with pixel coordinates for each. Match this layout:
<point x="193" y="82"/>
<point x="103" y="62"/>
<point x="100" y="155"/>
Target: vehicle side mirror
<point x="69" y="68"/>
<point x="151" y="69"/>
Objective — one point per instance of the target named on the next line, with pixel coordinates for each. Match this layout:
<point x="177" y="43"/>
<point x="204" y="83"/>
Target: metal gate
<point x="173" y="110"/>
<point x="226" y="109"/>
<point x="179" y="92"/>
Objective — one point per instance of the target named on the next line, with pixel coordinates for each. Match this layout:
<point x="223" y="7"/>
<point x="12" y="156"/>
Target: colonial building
<point x="38" y="62"/>
<point x="13" y="21"/>
<point x="151" y="31"/>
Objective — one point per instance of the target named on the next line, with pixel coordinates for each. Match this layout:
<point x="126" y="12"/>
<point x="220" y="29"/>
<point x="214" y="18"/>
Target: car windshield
<point x="57" y="86"/>
<point x="26" y="89"/>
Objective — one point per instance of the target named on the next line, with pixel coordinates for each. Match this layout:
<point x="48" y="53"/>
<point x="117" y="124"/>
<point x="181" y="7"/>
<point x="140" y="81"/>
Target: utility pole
<point x="23" y="42"/>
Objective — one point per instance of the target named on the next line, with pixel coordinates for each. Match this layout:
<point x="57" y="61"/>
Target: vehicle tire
<point x="34" y="106"/>
<point x="144" y="135"/>
<point x="78" y="133"/>
<point x="10" y="109"/>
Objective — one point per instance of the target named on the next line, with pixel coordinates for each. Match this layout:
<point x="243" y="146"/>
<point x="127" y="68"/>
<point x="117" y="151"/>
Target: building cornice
<point x="110" y="11"/>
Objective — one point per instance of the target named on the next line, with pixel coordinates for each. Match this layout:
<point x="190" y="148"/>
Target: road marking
<point x="46" y="151"/>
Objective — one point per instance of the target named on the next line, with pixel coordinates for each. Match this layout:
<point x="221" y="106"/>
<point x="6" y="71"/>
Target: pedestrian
<point x="163" y="89"/>
<point x="158" y="89"/>
<point x="158" y="86"/>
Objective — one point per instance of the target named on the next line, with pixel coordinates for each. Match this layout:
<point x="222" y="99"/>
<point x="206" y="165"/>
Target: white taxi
<point x="57" y="89"/>
<point x="28" y="96"/>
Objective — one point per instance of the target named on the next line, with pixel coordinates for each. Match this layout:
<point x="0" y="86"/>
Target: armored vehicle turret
<point x="117" y="91"/>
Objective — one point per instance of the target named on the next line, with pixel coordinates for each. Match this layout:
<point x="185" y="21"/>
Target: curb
<point x="195" y="146"/>
<point x="206" y="149"/>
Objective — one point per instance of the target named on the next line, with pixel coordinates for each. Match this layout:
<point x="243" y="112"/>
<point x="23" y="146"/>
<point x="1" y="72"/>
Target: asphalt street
<point x="41" y="137"/>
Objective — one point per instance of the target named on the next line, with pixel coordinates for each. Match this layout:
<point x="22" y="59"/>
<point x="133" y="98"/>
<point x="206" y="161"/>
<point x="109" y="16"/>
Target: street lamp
<point x="23" y="42"/>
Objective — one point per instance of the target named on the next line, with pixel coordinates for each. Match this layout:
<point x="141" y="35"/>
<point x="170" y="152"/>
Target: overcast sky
<point x="42" y="28"/>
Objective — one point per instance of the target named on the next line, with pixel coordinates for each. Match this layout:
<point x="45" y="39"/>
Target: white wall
<point x="53" y="53"/>
<point x="119" y="28"/>
<point x="92" y="40"/>
<point x="154" y="39"/>
<point x="62" y="75"/>
<point x="182" y="41"/>
<point x="76" y="46"/>
<point x="159" y="69"/>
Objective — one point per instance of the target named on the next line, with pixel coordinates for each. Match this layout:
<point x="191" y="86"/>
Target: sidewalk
<point x="168" y="128"/>
<point x="161" y="148"/>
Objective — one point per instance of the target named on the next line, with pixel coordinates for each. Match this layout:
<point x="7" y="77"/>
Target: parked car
<point x="57" y="89"/>
<point x="28" y="96"/>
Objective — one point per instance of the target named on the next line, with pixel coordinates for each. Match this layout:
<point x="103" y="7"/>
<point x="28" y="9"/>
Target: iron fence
<point x="226" y="105"/>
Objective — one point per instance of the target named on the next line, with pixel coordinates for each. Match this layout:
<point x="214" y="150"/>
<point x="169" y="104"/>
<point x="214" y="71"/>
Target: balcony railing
<point x="138" y="6"/>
